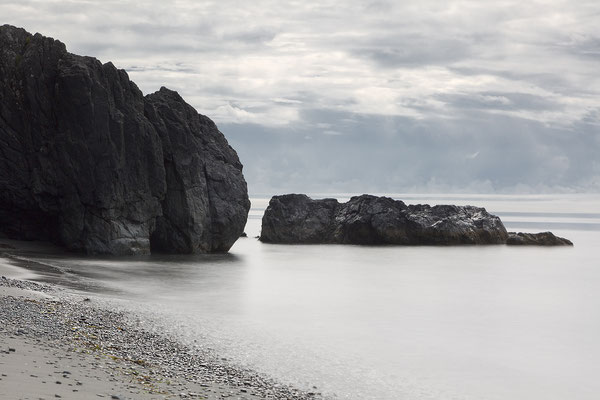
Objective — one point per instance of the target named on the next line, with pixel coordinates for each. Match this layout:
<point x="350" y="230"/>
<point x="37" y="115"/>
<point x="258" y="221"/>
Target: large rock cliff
<point x="88" y="161"/>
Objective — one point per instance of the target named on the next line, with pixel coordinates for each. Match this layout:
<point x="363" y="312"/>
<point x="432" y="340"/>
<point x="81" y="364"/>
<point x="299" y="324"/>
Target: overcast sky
<point x="366" y="96"/>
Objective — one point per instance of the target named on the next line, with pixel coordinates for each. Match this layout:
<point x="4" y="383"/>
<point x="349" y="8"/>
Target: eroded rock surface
<point x="366" y="219"/>
<point x="88" y="161"/>
<point x="537" y="239"/>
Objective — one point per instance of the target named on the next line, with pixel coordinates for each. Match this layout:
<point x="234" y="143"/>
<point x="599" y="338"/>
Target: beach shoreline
<point x="57" y="344"/>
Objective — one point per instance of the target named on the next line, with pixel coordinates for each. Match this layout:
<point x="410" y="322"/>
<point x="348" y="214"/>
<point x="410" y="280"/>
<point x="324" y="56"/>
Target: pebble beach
<point x="55" y="344"/>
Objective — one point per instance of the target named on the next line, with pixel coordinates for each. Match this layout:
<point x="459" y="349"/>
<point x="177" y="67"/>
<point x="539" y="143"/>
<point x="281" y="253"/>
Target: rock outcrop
<point x="88" y="161"/>
<point x="296" y="218"/>
<point x="537" y="239"/>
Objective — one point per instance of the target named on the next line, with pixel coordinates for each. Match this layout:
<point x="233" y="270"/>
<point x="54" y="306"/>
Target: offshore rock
<point x="88" y="161"/>
<point x="537" y="239"/>
<point x="296" y="218"/>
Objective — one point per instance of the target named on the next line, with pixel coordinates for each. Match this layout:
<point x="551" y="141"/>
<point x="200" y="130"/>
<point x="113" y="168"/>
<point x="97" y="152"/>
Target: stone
<point x="371" y="220"/>
<point x="537" y="239"/>
<point x="87" y="161"/>
<point x="296" y="218"/>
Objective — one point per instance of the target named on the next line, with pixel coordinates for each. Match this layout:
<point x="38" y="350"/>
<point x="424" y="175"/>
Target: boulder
<point x="537" y="239"/>
<point x="296" y="218"/>
<point x="89" y="162"/>
<point x="366" y="219"/>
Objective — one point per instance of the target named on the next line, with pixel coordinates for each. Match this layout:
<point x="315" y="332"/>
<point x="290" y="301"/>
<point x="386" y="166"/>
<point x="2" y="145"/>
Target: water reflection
<point x="119" y="275"/>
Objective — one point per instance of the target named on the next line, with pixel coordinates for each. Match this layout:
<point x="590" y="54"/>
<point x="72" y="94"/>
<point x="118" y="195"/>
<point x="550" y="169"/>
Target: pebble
<point x="152" y="356"/>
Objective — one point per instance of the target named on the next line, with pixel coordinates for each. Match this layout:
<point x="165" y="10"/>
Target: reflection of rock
<point x="539" y="239"/>
<point x="368" y="219"/>
<point x="86" y="160"/>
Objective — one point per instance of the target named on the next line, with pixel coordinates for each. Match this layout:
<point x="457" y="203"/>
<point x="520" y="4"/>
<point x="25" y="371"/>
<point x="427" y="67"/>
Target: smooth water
<point x="358" y="322"/>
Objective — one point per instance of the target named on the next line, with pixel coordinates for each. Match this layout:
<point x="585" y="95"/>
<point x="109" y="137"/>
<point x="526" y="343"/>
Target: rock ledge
<point x="537" y="239"/>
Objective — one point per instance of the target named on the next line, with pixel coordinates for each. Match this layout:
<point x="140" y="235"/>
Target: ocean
<point x="383" y="322"/>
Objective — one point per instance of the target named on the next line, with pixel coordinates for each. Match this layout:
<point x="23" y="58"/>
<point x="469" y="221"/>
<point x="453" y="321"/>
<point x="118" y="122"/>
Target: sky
<point x="366" y="96"/>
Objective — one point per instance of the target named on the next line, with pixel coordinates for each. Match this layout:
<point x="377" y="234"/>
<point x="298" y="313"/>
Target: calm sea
<point x="357" y="322"/>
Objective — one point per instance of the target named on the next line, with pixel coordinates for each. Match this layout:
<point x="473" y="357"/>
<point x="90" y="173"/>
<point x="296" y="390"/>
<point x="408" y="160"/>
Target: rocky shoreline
<point x="372" y="220"/>
<point x="140" y="363"/>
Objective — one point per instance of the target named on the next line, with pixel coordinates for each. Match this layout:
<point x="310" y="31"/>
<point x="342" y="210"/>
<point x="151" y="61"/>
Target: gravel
<point x="64" y="320"/>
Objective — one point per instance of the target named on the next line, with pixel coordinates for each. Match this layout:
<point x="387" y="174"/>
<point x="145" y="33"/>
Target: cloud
<point x="332" y="132"/>
<point x="412" y="51"/>
<point x="251" y="36"/>
<point x="396" y="154"/>
<point x="500" y="101"/>
<point x="270" y="117"/>
<point x="472" y="156"/>
<point x="392" y="94"/>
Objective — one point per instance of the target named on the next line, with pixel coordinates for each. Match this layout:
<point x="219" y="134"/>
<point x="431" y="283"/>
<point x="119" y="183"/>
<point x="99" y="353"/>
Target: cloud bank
<point x="366" y="96"/>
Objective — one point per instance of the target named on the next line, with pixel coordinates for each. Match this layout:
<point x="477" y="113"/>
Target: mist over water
<point x="385" y="322"/>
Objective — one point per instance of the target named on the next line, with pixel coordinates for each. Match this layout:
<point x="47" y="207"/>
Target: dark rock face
<point x="537" y="239"/>
<point x="296" y="218"/>
<point x="366" y="219"/>
<point x="206" y="204"/>
<point x="89" y="162"/>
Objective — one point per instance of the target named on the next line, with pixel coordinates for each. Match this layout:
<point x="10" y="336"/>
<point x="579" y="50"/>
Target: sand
<point x="55" y="344"/>
<point x="33" y="367"/>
